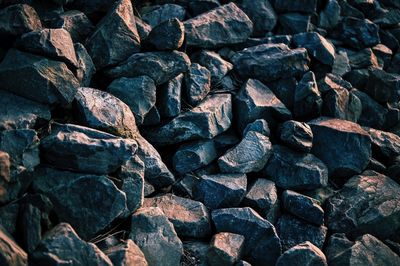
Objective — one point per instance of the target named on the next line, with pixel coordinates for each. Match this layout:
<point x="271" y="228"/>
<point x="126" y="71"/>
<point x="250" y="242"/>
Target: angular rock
<point x="169" y="97"/>
<point x="297" y="135"/>
<point x="18" y="19"/>
<point x="167" y="35"/>
<point x="259" y="125"/>
<point x="197" y="84"/>
<point x="197" y="7"/>
<point x="50" y="82"/>
<point x="383" y="54"/>
<point x="86" y="68"/>
<point x="342" y="145"/>
<point x="284" y="89"/>
<point x="225" y="249"/>
<point x="217" y="66"/>
<point x="221" y="191"/>
<point x="330" y="15"/>
<point x="261" y="14"/>
<point x="143" y="28"/>
<point x="303" y="254"/>
<point x="362" y="58"/>
<point x="127" y="253"/>
<point x="76" y="23"/>
<point x="195" y="252"/>
<point x="116" y="37"/>
<point x="307" y="98"/>
<point x="4" y="176"/>
<point x="383" y="87"/>
<point x="304" y="6"/>
<point x="385" y="145"/>
<point x="341" y="66"/>
<point x="219" y="27"/>
<point x="373" y="114"/>
<point x="294" y="170"/>
<point x="163" y="13"/>
<point x="317" y="46"/>
<point x="293" y="23"/>
<point x="10" y="252"/>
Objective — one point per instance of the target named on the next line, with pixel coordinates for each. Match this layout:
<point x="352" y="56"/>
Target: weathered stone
<point x="284" y="89"/>
<point x="9" y="217"/>
<point x="18" y="19"/>
<point x="383" y="87"/>
<point x="221" y="26"/>
<point x="127" y="253"/>
<point x="366" y="204"/>
<point x="341" y="66"/>
<point x="190" y="218"/>
<point x="389" y="18"/>
<point x="169" y="97"/>
<point x="152" y="118"/>
<point x="195" y="252"/>
<point x="160" y="66"/>
<point x="143" y="28"/>
<point x="4" y="177"/>
<point x="306" y="6"/>
<point x="385" y="145"/>
<point x="197" y="84"/>
<point x="293" y="23"/>
<point x="297" y="135"/>
<point x="358" y="78"/>
<point x="48" y="81"/>
<point x="383" y="54"/>
<point x="76" y="23"/>
<point x="86" y="68"/>
<point x="225" y="249"/>
<point x="221" y="191"/>
<point x="294" y="170"/>
<point x="373" y="114"/>
<point x="317" y="46"/>
<point x="362" y="58"/>
<point x="307" y="98"/>
<point x="217" y="66"/>
<point x="10" y="252"/>
<point x="167" y="35"/>
<point x="115" y="37"/>
<point x="302" y="254"/>
<point x="342" y="145"/>
<point x="164" y="246"/>
<point x="330" y="15"/>
<point x="163" y="13"/>
<point x="259" y="125"/>
<point x="62" y="245"/>
<point x="261" y="14"/>
<point x="262" y="244"/>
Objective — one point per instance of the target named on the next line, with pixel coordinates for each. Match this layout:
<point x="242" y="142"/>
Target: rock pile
<point x="200" y="132"/>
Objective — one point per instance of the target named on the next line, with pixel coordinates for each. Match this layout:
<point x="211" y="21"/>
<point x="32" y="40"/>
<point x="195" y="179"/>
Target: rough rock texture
<point x="217" y="66"/>
<point x="127" y="253"/>
<point x="307" y="98"/>
<point x="168" y="35"/>
<point x="317" y="46"/>
<point x="197" y="84"/>
<point x="225" y="249"/>
<point x="10" y="252"/>
<point x="261" y="13"/>
<point x="303" y="254"/>
<point x="297" y="135"/>
<point x="18" y="19"/>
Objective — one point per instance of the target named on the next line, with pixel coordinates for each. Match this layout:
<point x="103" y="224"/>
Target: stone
<point x="293" y="23"/>
<point x="330" y="15"/>
<point x="303" y="254"/>
<point x="153" y="117"/>
<point x="250" y="155"/>
<point x="262" y="196"/>
<point x="127" y="253"/>
<point x="164" y="246"/>
<point x="138" y="93"/>
<point x="143" y="28"/>
<point x="18" y="19"/>
<point x="259" y="125"/>
<point x="191" y="221"/>
<point x="9" y="216"/>
<point x="262" y="15"/>
<point x="367" y="204"/>
<point x="86" y="68"/>
<point x="268" y="62"/>
<point x="317" y="46"/>
<point x="385" y="145"/>
<point x="303" y="207"/>
<point x="167" y="35"/>
<point x="225" y="249"/>
<point x="295" y="170"/>
<point x="56" y="44"/>
<point x="86" y="150"/>
<point x="10" y="252"/>
<point x="296" y="135"/>
<point x="221" y="191"/>
<point x="372" y="114"/>
<point x="116" y="37"/>
<point x="262" y="245"/>
<point x="362" y="58"/>
<point x="63" y="245"/>
<point x="160" y="66"/>
<point x="224" y="25"/>
<point x="4" y="176"/>
<point x="21" y="113"/>
<point x="163" y="13"/>
<point x="358" y="78"/>
<point x="341" y="66"/>
<point x="307" y="98"/>
<point x="217" y="66"/>
<point x="390" y="18"/>
<point x="197" y="84"/>
<point x="94" y="9"/>
<point x="195" y="252"/>
<point x="383" y="54"/>
<point x="255" y="101"/>
<point x="51" y="82"/>
<point x="342" y="145"/>
<point x="382" y="86"/>
<point x="76" y="23"/>
<point x="284" y="89"/>
<point x="293" y="231"/>
<point x="169" y="97"/>
<point x="304" y="6"/>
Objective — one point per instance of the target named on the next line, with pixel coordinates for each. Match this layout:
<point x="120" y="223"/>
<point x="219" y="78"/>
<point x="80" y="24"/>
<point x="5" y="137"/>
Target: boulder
<point x="385" y="145"/>
<point x="217" y="66"/>
<point x="10" y="252"/>
<point x="167" y="35"/>
<point x="303" y="254"/>
<point x="297" y="135"/>
<point x="259" y="126"/>
<point x="18" y="19"/>
<point x="225" y="249"/>
<point x="169" y="97"/>
<point x="86" y="68"/>
<point x="382" y="86"/>
<point x="261" y="13"/>
<point x="127" y="253"/>
<point x="197" y="84"/>
<point x="76" y="23"/>
<point x="158" y="14"/>
<point x="307" y="98"/>
<point x="317" y="46"/>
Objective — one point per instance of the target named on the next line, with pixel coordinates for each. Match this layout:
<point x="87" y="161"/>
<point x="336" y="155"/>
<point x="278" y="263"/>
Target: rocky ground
<point x="200" y="132"/>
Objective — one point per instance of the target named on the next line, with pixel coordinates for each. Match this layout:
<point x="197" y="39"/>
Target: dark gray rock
<point x="127" y="253"/>
<point x="116" y="37"/>
<point x="9" y="216"/>
<point x="225" y="249"/>
<point x="191" y="221"/>
<point x="143" y="28"/>
<point x="317" y="46"/>
<point x="62" y="245"/>
<point x="164" y="246"/>
<point x="383" y="54"/>
<point x="76" y="23"/>
<point x="366" y="204"/>
<point x="93" y="8"/>
<point x="261" y="14"/>
<point x="284" y="89"/>
<point x="388" y="18"/>
<point x="4" y="177"/>
<point x="197" y="84"/>
<point x="385" y="145"/>
<point x="163" y="13"/>
<point x="307" y="98"/>
<point x="221" y="191"/>
<point x="18" y="19"/>
<point x="153" y="117"/>
<point x="305" y="6"/>
<point x="302" y="254"/>
<point x="10" y="252"/>
<point x="358" y="78"/>
<point x="383" y="87"/>
<point x="373" y="114"/>
<point x="303" y="207"/>
<point x="329" y="17"/>
<point x="268" y="62"/>
<point x="86" y="68"/>
<point x="51" y="81"/>
<point x="297" y="135"/>
<point x="217" y="66"/>
<point x="342" y="145"/>
<point x="294" y="170"/>
<point x="259" y="125"/>
<point x="341" y="66"/>
<point x="219" y="27"/>
<point x="167" y="35"/>
<point x="195" y="252"/>
<point x="362" y="58"/>
<point x="293" y="23"/>
<point x="262" y="245"/>
<point x="169" y="97"/>
<point x="160" y="66"/>
<point x="197" y="7"/>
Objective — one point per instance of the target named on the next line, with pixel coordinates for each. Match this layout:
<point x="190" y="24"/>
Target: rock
<point x="261" y="14"/>
<point x="164" y="246"/>
<point x="103" y="111"/>
<point x="62" y="245"/>
<point x="385" y="145"/>
<point x="86" y="150"/>
<point x="383" y="87"/>
<point x="358" y="78"/>
<point x="294" y="170"/>
<point x="210" y="118"/>
<point x="269" y="62"/>
<point x="317" y="46"/>
<point x="389" y="18"/>
<point x="56" y="44"/>
<point x="366" y="204"/>
<point x="330" y="15"/>
<point x="341" y="66"/>
<point x="192" y="220"/>
<point x="163" y="13"/>
<point x="86" y="68"/>
<point x="153" y="117"/>
<point x="221" y="191"/>
<point x="293" y="231"/>
<point x="255" y="101"/>
<point x="373" y="114"/>
<point x="303" y="207"/>
<point x="303" y="254"/>
<point x="284" y="89"/>
<point x="362" y="58"/>
<point x="198" y="84"/>
<point x="303" y="6"/>
<point x="259" y="125"/>
<point x="353" y="153"/>
<point x="4" y="177"/>
<point x="160" y="66"/>
<point x="10" y="252"/>
<point x="18" y="19"/>
<point x="217" y="66"/>
<point x="52" y="82"/>
<point x="21" y="113"/>
<point x="307" y="98"/>
<point x="383" y="54"/>
<point x="167" y="35"/>
<point x="116" y="37"/>
<point x="94" y="9"/>
<point x="297" y="135"/>
<point x="195" y="252"/>
<point x="127" y="253"/>
<point x="197" y="7"/>
<point x="225" y="249"/>
<point x="138" y="93"/>
<point x="262" y="245"/>
<point x="250" y="155"/>
<point x="262" y="197"/>
<point x="219" y="27"/>
<point x="9" y="216"/>
<point x="169" y="97"/>
<point x="76" y="23"/>
<point x="293" y="23"/>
